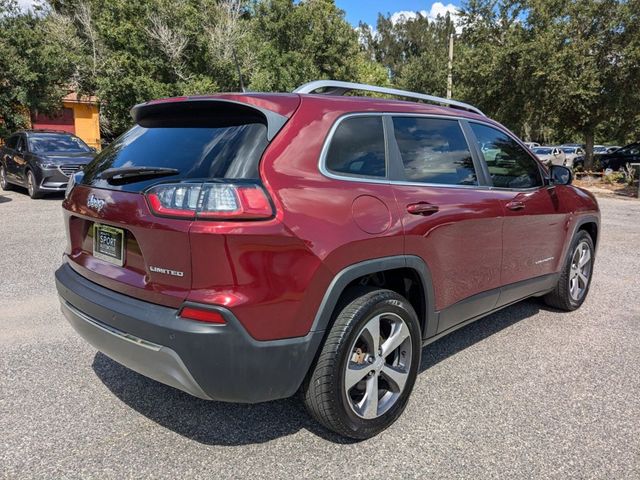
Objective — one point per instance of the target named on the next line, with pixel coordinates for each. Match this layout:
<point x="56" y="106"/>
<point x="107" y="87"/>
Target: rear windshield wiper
<point x="133" y="174"/>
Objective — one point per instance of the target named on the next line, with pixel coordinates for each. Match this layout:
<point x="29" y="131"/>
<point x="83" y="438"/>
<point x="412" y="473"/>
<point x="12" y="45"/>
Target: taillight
<point x="210" y="201"/>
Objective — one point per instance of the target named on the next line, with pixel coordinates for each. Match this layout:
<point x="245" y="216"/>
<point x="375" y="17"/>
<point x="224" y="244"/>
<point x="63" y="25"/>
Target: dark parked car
<point x="42" y="160"/>
<point x="619" y="158"/>
<point x="242" y="247"/>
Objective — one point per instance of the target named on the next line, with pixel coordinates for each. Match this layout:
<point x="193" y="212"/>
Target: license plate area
<point x="108" y="244"/>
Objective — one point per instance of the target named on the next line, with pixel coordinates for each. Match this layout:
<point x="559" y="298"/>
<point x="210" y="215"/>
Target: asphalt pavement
<point x="525" y="393"/>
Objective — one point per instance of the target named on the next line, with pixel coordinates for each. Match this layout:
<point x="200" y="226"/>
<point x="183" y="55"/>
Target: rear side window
<point x="357" y="148"/>
<point x="434" y="150"/>
<point x="510" y="166"/>
<point x="230" y="152"/>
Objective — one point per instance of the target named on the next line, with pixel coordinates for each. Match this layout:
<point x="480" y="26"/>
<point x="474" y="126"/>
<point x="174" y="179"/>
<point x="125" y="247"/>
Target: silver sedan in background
<point x="550" y="155"/>
<point x="574" y="156"/>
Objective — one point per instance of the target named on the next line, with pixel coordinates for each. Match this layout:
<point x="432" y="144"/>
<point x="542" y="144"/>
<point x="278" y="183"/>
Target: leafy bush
<point x="629" y="174"/>
<point x="613" y="178"/>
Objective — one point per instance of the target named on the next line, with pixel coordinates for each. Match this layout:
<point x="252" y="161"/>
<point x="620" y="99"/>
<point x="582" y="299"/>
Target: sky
<point x="367" y="10"/>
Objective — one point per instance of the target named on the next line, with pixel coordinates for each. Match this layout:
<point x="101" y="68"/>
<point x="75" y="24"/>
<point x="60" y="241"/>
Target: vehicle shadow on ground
<point x="4" y="199"/>
<point x="48" y="196"/>
<point x="475" y="332"/>
<point x="218" y="423"/>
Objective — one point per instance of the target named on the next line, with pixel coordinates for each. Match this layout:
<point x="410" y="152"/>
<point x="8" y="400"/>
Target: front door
<point x="8" y="153"/>
<point x="450" y="219"/>
<point x="535" y="224"/>
<point x="19" y="161"/>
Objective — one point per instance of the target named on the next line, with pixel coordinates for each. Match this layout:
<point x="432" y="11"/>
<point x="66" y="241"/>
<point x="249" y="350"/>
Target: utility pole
<point x="450" y="67"/>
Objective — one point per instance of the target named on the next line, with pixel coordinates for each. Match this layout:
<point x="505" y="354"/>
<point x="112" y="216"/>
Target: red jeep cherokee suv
<point x="242" y="247"/>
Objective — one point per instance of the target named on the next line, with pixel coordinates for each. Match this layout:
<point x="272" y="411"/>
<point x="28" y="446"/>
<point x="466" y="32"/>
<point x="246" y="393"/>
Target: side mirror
<point x="561" y="175"/>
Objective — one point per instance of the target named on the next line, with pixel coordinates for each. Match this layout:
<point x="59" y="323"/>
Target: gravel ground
<point x="524" y="393"/>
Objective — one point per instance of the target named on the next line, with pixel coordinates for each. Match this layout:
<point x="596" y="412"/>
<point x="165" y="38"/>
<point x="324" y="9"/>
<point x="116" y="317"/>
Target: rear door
<point x="119" y="239"/>
<point x="450" y="218"/>
<point x="535" y="225"/>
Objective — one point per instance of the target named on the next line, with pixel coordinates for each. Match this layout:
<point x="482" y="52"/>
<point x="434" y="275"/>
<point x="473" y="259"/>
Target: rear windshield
<point x="197" y="153"/>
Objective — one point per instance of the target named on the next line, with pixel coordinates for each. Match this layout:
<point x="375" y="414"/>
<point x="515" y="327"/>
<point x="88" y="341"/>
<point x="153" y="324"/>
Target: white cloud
<point x="404" y="16"/>
<point x="26" y="4"/>
<point x="438" y="9"/>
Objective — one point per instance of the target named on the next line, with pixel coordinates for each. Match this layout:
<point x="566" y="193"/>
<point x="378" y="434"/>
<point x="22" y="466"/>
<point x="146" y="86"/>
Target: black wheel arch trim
<point x="583" y="220"/>
<point x="429" y="318"/>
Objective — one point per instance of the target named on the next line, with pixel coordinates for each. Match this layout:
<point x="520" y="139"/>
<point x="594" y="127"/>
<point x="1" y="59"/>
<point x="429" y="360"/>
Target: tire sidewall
<point x="4" y="183"/>
<point x="381" y="303"/>
<point x="33" y="193"/>
<point x="580" y="237"/>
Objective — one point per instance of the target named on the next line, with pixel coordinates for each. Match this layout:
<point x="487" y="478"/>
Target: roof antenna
<point x="235" y="59"/>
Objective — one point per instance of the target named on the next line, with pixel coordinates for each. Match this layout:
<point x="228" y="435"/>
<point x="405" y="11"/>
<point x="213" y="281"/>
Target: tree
<point x="561" y="69"/>
<point x="35" y="66"/>
<point x="299" y="42"/>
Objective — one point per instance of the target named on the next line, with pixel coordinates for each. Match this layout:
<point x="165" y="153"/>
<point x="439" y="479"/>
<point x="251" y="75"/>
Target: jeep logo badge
<point x="95" y="203"/>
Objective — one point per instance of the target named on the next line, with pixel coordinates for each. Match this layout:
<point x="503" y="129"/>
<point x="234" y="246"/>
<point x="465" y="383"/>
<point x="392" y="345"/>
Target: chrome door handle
<point x="422" y="208"/>
<point x="515" y="205"/>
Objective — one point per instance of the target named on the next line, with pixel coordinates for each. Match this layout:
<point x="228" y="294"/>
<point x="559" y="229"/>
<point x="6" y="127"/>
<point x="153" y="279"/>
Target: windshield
<point x="56" y="143"/>
<point x="569" y="150"/>
<point x="194" y="152"/>
<point x="542" y="151"/>
<point x="629" y="148"/>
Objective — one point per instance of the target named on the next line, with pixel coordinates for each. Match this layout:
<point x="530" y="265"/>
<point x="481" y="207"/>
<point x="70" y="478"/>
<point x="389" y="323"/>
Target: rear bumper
<point x="218" y="362"/>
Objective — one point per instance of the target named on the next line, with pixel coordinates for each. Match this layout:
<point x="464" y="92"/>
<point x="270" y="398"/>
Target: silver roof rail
<point x="335" y="87"/>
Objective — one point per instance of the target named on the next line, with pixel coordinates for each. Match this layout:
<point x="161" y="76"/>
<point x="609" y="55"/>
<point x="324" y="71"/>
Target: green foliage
<point x="414" y="50"/>
<point x="553" y="71"/>
<point x="35" y="66"/>
<point x="613" y="178"/>
<point x="300" y="42"/>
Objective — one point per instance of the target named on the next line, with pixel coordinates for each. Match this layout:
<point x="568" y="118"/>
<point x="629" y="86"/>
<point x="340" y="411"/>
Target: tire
<point x="349" y="353"/>
<point x="32" y="186"/>
<point x="4" y="183"/>
<point x="575" y="279"/>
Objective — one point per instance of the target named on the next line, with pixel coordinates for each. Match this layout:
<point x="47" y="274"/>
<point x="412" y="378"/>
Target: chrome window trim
<point x="364" y="179"/>
<point x="386" y="181"/>
<point x="345" y="176"/>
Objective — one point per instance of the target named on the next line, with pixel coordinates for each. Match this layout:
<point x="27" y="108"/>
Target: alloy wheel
<point x="30" y="183"/>
<point x="3" y="178"/>
<point x="580" y="271"/>
<point x="378" y="368"/>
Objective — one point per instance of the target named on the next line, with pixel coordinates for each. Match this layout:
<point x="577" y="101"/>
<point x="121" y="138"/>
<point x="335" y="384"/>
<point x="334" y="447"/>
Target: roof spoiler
<point x="204" y="112"/>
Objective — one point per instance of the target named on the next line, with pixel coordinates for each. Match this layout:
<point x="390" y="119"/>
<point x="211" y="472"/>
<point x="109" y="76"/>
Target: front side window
<point x="510" y="166"/>
<point x="434" y="150"/>
<point x="12" y="142"/>
<point x="20" y="147"/>
<point x="357" y="148"/>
